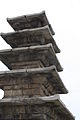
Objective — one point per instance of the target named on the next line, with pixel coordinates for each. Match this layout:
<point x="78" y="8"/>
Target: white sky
<point x="64" y="16"/>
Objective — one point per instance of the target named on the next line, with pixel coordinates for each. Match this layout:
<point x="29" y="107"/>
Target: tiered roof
<point x="33" y="71"/>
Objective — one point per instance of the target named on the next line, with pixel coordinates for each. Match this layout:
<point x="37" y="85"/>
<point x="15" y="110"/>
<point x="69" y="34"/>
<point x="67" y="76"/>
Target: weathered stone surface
<point x="43" y="53"/>
<point x="36" y="108"/>
<point x="30" y="37"/>
<point x="27" y="64"/>
<point x="32" y="82"/>
<point x="30" y="21"/>
<point x="33" y="76"/>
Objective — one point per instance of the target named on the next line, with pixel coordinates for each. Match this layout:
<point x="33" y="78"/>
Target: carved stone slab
<point x="36" y="108"/>
<point x="32" y="82"/>
<point x="30" y="21"/>
<point x="17" y="58"/>
<point x="30" y="37"/>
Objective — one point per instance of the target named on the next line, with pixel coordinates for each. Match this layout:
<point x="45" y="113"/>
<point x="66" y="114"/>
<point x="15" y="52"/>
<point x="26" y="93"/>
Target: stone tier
<point x="30" y="37"/>
<point x="35" y="108"/>
<point x="30" y="57"/>
<point x="32" y="82"/>
<point x="30" y="21"/>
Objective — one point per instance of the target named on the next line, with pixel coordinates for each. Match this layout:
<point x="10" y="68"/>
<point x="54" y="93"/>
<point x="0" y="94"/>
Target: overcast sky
<point x="64" y="16"/>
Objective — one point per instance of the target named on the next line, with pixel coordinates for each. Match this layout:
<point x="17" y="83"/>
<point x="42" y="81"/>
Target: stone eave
<point x="16" y="39"/>
<point x="55" y="101"/>
<point x="9" y="56"/>
<point x="26" y="21"/>
<point x="49" y="72"/>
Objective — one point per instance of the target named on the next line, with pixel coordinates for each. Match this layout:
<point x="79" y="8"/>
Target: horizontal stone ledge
<point x="54" y="101"/>
<point x="30" y="21"/>
<point x="30" y="37"/>
<point x="44" y="53"/>
<point x="33" y="70"/>
<point x="42" y="76"/>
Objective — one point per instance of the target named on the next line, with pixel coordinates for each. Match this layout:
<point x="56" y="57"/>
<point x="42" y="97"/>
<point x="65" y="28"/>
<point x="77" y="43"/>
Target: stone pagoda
<point x="32" y="84"/>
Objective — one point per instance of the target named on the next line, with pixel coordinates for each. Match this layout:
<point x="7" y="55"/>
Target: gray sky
<point x="64" y="16"/>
